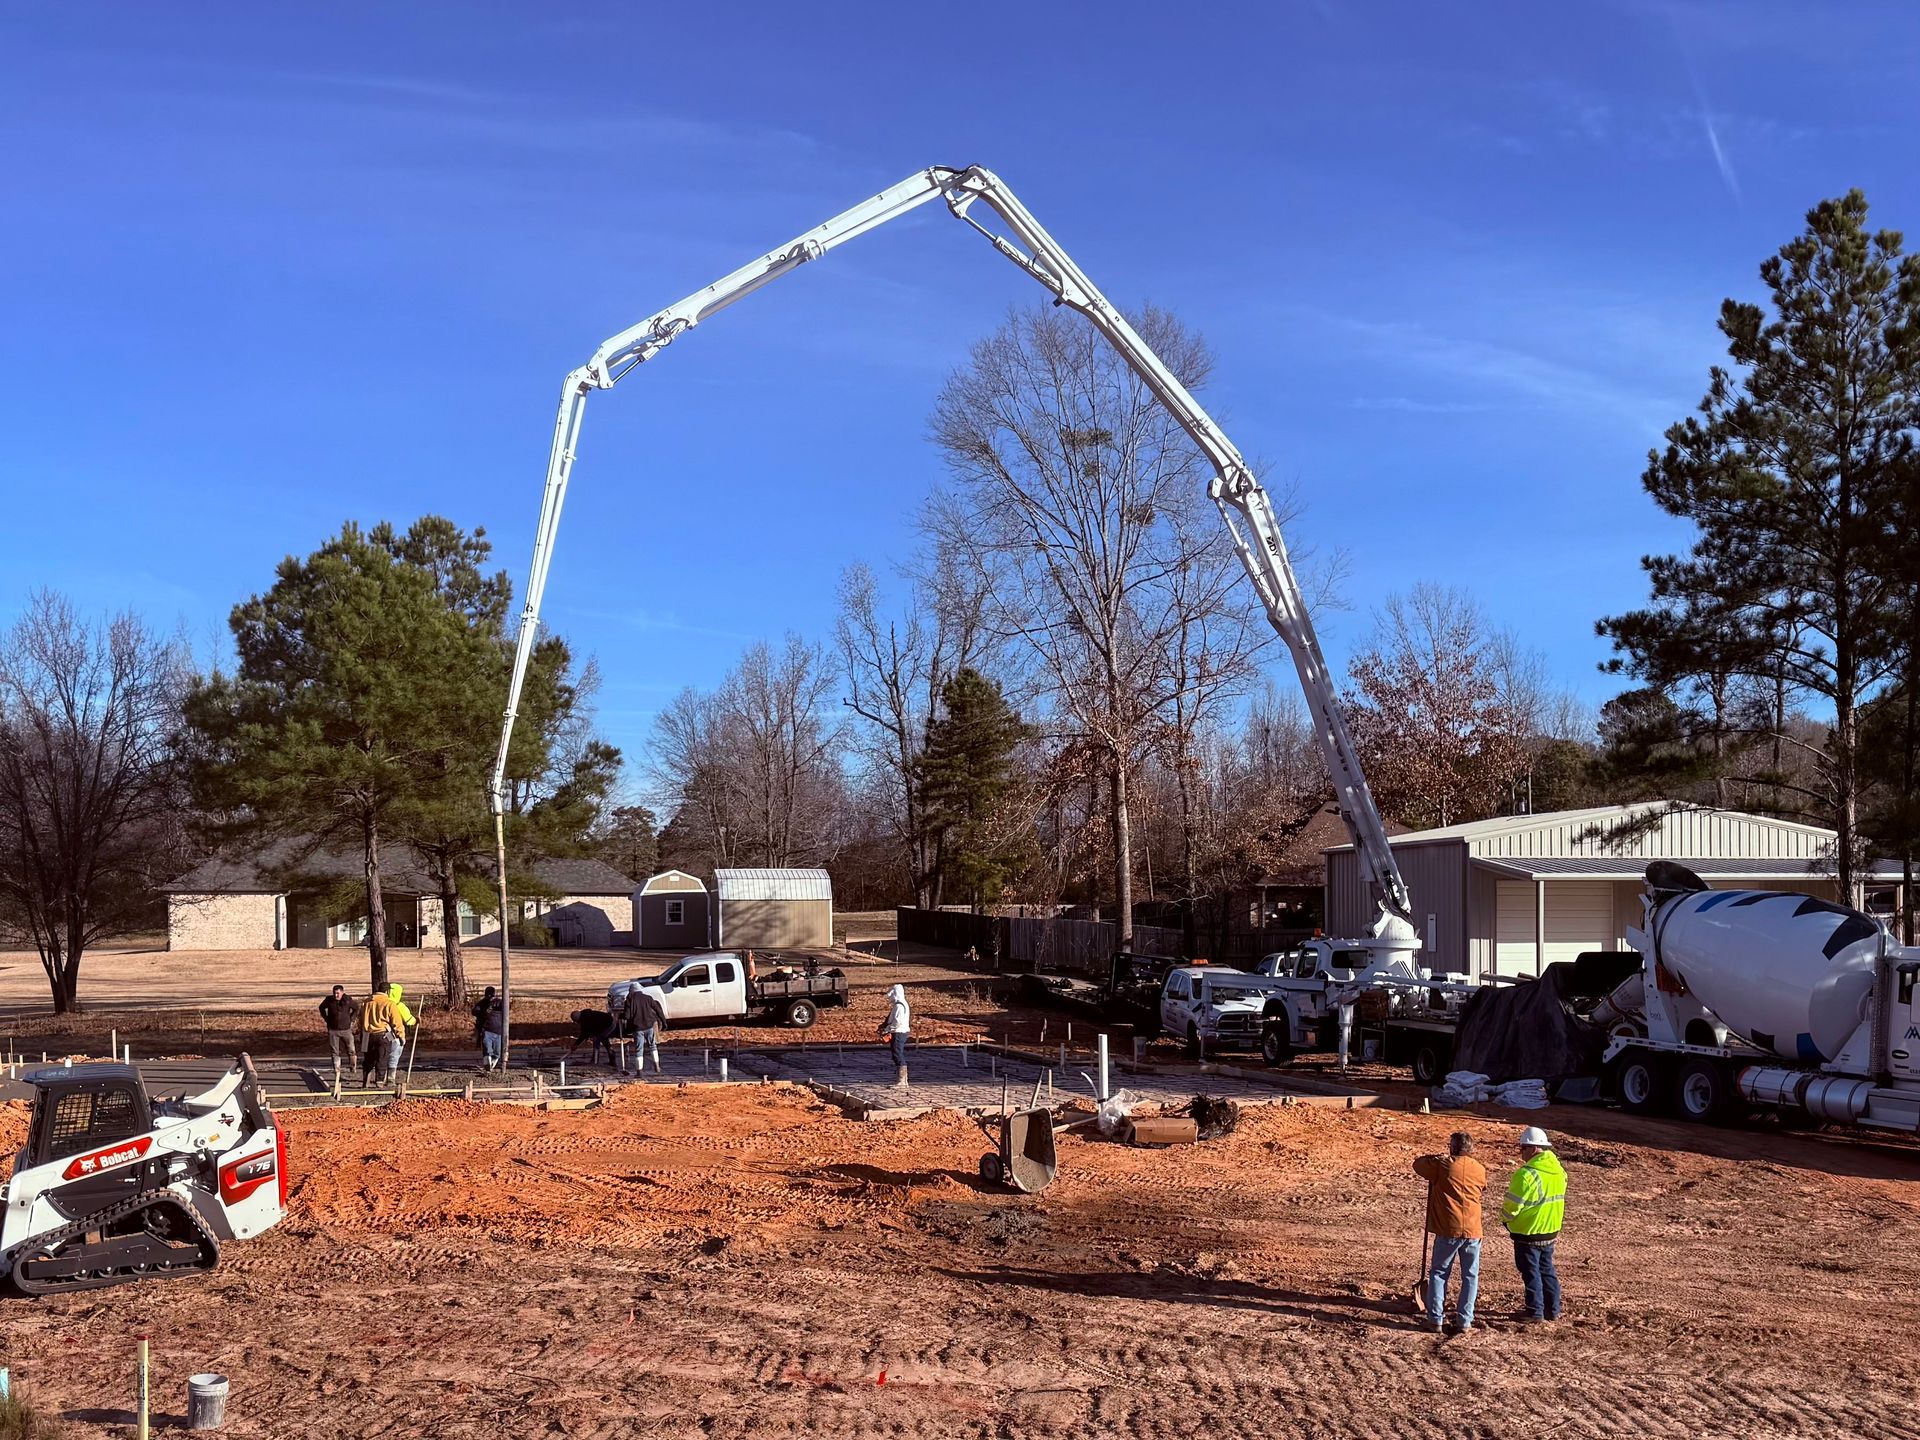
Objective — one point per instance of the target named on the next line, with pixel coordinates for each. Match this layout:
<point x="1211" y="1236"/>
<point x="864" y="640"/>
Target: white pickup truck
<point x="1213" y="1008"/>
<point x="700" y="989"/>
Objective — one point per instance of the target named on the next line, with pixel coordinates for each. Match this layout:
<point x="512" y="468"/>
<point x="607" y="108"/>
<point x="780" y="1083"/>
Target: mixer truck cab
<point x="1762" y="999"/>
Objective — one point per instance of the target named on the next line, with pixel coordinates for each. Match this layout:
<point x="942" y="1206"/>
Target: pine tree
<point x="965" y="776"/>
<point x="1787" y="473"/>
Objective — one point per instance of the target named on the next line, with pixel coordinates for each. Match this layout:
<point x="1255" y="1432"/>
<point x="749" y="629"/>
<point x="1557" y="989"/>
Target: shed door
<point x="1513" y="952"/>
<point x="1579" y="918"/>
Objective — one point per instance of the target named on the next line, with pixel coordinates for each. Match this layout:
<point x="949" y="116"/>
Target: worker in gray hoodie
<point x="897" y="1027"/>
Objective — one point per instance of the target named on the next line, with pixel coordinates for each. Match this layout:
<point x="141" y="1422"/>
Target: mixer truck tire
<point x="1640" y="1082"/>
<point x="1704" y="1091"/>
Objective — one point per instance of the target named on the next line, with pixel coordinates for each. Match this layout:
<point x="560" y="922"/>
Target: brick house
<point x="228" y="903"/>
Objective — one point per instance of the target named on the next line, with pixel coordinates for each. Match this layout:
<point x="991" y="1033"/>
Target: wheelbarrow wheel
<point x="991" y="1170"/>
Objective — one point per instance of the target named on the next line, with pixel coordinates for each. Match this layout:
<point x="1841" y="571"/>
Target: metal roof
<point x="280" y="865"/>
<point x="1551" y="819"/>
<point x="772" y="885"/>
<point x="1628" y="867"/>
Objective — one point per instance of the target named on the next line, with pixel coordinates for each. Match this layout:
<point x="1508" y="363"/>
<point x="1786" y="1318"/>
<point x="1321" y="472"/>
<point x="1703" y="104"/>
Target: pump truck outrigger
<point x="1391" y="948"/>
<point x="115" y="1185"/>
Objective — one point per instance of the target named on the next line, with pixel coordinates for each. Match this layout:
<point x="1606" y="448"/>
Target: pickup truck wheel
<point x="1639" y="1080"/>
<point x="1274" y="1048"/>
<point x="801" y="1014"/>
<point x="1193" y="1041"/>
<point x="1703" y="1091"/>
<point x="1429" y="1062"/>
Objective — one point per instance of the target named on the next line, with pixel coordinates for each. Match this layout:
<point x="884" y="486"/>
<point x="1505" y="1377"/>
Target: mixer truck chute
<point x="1764" y="999"/>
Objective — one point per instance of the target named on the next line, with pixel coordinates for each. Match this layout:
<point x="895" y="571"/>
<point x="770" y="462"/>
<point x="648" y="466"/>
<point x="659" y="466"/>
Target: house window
<point x="676" y="912"/>
<point x="469" y="921"/>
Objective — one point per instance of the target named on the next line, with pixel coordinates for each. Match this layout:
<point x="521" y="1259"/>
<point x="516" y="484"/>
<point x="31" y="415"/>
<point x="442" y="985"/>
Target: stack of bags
<point x="1521" y="1094"/>
<point x="1461" y="1087"/>
<point x="1469" y="1087"/>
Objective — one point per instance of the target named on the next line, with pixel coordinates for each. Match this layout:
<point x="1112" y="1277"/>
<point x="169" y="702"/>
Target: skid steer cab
<point x="115" y="1185"/>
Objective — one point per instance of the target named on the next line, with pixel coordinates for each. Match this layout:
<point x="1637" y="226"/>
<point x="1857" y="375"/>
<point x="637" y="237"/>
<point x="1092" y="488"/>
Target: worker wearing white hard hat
<point x="1534" y="1210"/>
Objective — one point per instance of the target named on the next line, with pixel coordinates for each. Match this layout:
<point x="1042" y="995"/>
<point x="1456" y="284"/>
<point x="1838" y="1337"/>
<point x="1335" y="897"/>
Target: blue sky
<point x="272" y="267"/>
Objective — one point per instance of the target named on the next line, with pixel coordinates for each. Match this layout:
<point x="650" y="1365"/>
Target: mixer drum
<point x="1789" y="973"/>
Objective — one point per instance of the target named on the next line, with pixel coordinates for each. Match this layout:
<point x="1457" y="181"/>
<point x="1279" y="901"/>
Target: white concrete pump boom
<point x="1243" y="502"/>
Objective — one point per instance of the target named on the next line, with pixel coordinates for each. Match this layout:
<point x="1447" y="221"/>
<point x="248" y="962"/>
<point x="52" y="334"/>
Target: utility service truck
<point x="701" y="989"/>
<point x="1213" y="1007"/>
<point x="1761" y="999"/>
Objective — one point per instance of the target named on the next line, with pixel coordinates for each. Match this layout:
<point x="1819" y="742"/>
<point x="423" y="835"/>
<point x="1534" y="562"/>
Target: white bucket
<point x="206" y="1401"/>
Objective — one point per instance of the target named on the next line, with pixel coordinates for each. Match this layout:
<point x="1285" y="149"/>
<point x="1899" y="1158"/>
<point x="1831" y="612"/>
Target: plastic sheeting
<point x="1530" y="1031"/>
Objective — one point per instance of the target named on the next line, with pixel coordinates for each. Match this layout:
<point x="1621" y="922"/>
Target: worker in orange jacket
<point x="1455" y="1182"/>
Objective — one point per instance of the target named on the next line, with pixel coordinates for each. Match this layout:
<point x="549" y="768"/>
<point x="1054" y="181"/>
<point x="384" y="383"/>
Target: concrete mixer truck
<point x="1760" y="999"/>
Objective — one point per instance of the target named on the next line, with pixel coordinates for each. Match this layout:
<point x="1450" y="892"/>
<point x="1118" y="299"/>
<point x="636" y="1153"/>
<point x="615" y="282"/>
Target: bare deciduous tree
<point x="1428" y="712"/>
<point x="751" y="769"/>
<point x="92" y="797"/>
<point x="1078" y="499"/>
<point x="893" y="669"/>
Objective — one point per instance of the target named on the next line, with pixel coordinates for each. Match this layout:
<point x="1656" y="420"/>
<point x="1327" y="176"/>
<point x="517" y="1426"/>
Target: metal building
<point x="774" y="909"/>
<point x="670" y="912"/>
<point x="1512" y="895"/>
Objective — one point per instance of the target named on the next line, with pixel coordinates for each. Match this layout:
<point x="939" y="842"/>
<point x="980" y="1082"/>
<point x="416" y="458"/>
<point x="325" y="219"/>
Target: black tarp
<point x="1530" y="1031"/>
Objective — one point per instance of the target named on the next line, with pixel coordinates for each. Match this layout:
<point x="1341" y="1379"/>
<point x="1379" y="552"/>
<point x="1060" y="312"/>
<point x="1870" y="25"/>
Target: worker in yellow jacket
<point x="1534" y="1210"/>
<point x="378" y="1020"/>
<point x="403" y="1021"/>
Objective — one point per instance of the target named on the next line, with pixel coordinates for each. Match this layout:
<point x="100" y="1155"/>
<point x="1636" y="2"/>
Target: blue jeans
<point x="490" y="1046"/>
<point x="1447" y="1249"/>
<point x="396" y="1047"/>
<point x="898" y="1042"/>
<point x="646" y="1042"/>
<point x="1533" y="1258"/>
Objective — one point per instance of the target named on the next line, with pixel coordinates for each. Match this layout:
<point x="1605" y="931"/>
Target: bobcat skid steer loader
<point x="116" y="1186"/>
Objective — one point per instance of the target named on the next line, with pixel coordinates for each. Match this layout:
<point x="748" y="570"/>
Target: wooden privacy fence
<point x="1083" y="947"/>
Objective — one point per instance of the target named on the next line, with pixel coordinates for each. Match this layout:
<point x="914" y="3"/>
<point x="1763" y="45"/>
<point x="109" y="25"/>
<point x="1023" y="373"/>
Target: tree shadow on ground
<point x="1321" y="1309"/>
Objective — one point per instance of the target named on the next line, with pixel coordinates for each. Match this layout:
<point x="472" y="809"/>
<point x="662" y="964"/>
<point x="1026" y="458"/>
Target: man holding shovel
<point x="1455" y="1181"/>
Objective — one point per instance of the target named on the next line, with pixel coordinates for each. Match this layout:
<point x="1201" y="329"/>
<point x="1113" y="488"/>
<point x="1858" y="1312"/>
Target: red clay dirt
<point x="742" y="1261"/>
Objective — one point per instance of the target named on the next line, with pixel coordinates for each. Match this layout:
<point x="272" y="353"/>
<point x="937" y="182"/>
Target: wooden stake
<point x="143" y="1389"/>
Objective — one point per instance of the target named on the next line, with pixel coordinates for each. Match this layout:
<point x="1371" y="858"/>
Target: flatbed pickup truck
<point x="700" y="989"/>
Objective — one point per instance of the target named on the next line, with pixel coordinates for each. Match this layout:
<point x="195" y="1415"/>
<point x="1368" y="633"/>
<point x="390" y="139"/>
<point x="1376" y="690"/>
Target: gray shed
<point x="1510" y="896"/>
<point x="776" y="909"/>
<point x="670" y="912"/>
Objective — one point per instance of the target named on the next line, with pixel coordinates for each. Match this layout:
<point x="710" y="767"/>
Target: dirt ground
<point x="264" y="1001"/>
<point x="744" y="1262"/>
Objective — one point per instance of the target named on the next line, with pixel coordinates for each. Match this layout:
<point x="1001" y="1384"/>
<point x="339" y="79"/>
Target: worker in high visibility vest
<point x="1535" y="1207"/>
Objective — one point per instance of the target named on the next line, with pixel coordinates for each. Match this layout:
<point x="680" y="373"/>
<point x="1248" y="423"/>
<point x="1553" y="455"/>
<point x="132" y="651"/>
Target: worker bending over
<point x="1536" y="1204"/>
<point x="1455" y="1182"/>
<point x="378" y="1020"/>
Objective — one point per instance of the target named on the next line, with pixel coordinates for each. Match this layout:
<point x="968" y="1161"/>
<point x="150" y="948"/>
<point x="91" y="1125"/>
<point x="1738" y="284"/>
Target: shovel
<point x="1420" y="1280"/>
